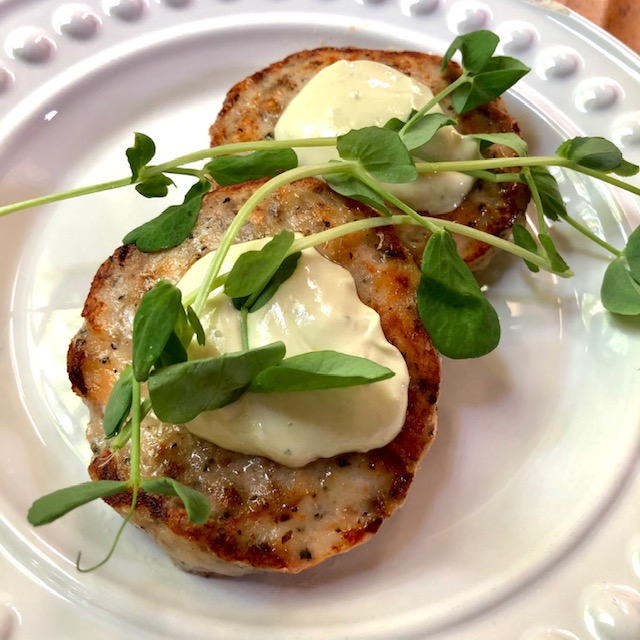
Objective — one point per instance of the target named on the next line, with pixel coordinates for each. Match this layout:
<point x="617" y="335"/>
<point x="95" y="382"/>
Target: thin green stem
<point x="491" y="163"/>
<point x="236" y="147"/>
<point x="465" y="166"/>
<point x="197" y="173"/>
<point x="134" y="474"/>
<point x="315" y="239"/>
<point x="64" y="195"/>
<point x="190" y="298"/>
<point x="537" y="200"/>
<point x="604" y="177"/>
<point x="244" y="328"/>
<point x="436" y="224"/>
<point x="114" y="544"/>
<point x="134" y="477"/>
<point x="542" y="224"/>
<point x="500" y="243"/>
<point x="487" y="176"/>
<point x="592" y="236"/>
<point x="172" y="166"/>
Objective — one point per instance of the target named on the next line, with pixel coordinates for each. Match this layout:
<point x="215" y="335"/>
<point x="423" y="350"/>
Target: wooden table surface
<point x="621" y="18"/>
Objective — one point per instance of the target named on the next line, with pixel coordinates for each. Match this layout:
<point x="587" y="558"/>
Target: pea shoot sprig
<point x="460" y="320"/>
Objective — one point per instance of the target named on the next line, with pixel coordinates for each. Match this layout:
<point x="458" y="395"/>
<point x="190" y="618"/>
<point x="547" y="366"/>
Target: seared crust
<point x="252" y="108"/>
<point x="264" y="515"/>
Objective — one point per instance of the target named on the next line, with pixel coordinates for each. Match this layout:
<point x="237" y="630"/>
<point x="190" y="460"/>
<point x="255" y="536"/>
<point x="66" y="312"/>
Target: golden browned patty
<point x="264" y="516"/>
<point x="252" y="108"/>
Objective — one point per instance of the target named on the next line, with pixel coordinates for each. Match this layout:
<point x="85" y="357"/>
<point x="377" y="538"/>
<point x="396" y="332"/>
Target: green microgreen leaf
<point x="283" y="273"/>
<point x="119" y="403"/>
<point x="181" y="392"/>
<point x="632" y="254"/>
<point x="620" y="291"/>
<point x="140" y="154"/>
<point x="153" y="325"/>
<point x="253" y="270"/>
<point x="156" y="186"/>
<point x="510" y="139"/>
<point x="423" y="130"/>
<point x="380" y="152"/>
<point x="541" y="179"/>
<point x="485" y="76"/>
<point x="395" y="124"/>
<point x="182" y="328"/>
<point x="595" y="153"/>
<point x="194" y="321"/>
<point x="197" y="506"/>
<point x="496" y="76"/>
<point x="226" y="170"/>
<point x="460" y="320"/>
<point x="119" y="441"/>
<point x="55" y="505"/>
<point x="523" y="238"/>
<point x="173" y="225"/>
<point x="557" y="263"/>
<point x="319" y="370"/>
<point x="173" y="352"/>
<point x="476" y="49"/>
<point x="351" y="186"/>
<point x="626" y="169"/>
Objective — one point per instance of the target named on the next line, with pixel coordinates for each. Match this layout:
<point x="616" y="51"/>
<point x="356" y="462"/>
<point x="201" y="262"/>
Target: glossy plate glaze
<point x="523" y="522"/>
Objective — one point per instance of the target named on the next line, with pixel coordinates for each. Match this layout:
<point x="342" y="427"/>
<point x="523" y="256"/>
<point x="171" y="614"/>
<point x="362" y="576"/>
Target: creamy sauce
<point x="317" y="308"/>
<point x="352" y="95"/>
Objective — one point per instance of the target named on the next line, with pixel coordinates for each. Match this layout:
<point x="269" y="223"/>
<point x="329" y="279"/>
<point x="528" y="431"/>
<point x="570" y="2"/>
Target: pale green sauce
<point x="353" y="95"/>
<point x="317" y="308"/>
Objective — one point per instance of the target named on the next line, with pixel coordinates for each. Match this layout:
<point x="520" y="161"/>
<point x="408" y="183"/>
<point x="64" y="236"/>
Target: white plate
<point x="523" y="522"/>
